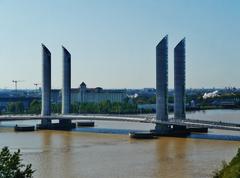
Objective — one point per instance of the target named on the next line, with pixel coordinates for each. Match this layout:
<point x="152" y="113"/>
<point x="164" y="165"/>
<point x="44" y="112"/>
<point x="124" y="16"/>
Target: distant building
<point x="91" y="95"/>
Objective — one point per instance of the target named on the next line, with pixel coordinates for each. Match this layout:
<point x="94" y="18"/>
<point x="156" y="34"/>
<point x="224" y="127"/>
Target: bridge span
<point x="186" y="122"/>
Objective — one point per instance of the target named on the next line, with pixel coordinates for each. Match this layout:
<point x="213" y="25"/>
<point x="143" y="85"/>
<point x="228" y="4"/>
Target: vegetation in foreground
<point x="11" y="166"/>
<point x="231" y="170"/>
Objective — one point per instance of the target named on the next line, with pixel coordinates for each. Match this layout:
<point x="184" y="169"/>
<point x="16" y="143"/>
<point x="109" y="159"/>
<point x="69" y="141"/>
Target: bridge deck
<point x="187" y="122"/>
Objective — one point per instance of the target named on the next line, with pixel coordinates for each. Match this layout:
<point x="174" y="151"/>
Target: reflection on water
<point x="90" y="155"/>
<point x="171" y="157"/>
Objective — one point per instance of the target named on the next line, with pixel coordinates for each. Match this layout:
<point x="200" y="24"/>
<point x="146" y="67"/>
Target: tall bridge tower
<point x="66" y="82"/>
<point x="162" y="79"/>
<point x="162" y="84"/>
<point x="179" y="80"/>
<point x="46" y="84"/>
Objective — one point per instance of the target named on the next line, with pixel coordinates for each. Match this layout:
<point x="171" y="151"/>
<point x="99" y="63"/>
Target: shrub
<point x="11" y="166"/>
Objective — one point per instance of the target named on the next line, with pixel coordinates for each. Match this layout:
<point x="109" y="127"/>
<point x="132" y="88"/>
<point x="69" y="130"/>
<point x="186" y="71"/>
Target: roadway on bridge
<point x="186" y="122"/>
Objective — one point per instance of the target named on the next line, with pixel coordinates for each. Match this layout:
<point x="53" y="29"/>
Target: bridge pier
<point x="171" y="130"/>
<point x="162" y="80"/>
<point x="46" y="85"/>
<point x="179" y="81"/>
<point x="64" y="124"/>
<point x="66" y="89"/>
<point x="162" y="89"/>
<point x="46" y="122"/>
<point x="66" y="82"/>
<point x="161" y="129"/>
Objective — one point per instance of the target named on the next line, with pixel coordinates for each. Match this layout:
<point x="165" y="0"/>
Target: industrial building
<point x="91" y="95"/>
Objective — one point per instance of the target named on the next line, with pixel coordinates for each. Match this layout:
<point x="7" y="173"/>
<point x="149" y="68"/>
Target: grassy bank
<point x="231" y="170"/>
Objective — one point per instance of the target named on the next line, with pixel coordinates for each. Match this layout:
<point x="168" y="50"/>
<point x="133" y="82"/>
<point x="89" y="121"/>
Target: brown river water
<point x="62" y="154"/>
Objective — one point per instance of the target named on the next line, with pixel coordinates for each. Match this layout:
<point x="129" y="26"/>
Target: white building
<point x="92" y="95"/>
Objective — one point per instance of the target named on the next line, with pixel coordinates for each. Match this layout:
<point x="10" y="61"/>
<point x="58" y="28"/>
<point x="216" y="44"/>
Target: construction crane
<point x="16" y="82"/>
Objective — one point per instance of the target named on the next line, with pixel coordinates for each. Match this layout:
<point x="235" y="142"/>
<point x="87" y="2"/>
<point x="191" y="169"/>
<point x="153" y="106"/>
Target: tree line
<point x="104" y="107"/>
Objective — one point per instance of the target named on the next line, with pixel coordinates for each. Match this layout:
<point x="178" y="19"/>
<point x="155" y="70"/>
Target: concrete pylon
<point x="46" y="84"/>
<point x="162" y="80"/>
<point x="179" y="80"/>
<point x="66" y="85"/>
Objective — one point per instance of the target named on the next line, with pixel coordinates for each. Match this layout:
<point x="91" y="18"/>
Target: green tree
<point x="152" y="100"/>
<point x="11" y="107"/>
<point x="75" y="107"/>
<point x="116" y="108"/>
<point x="56" y="108"/>
<point x="129" y="108"/>
<point x="89" y="108"/>
<point x="19" y="107"/>
<point x="35" y="107"/>
<point x="11" y="166"/>
<point x="105" y="106"/>
<point x="15" y="107"/>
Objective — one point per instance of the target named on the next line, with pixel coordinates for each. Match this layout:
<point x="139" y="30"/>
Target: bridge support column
<point x="66" y="89"/>
<point x="162" y="92"/>
<point x="66" y="82"/>
<point x="46" y="85"/>
<point x="162" y="83"/>
<point x="179" y="80"/>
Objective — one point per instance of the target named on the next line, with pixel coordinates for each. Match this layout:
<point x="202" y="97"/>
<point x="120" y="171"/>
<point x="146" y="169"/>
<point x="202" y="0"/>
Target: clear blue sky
<point x="113" y="42"/>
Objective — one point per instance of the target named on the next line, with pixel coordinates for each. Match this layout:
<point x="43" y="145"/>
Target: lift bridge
<point x="138" y="119"/>
<point x="164" y="124"/>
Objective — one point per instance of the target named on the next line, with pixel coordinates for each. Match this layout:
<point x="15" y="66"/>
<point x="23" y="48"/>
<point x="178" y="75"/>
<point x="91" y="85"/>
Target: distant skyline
<point x="112" y="43"/>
